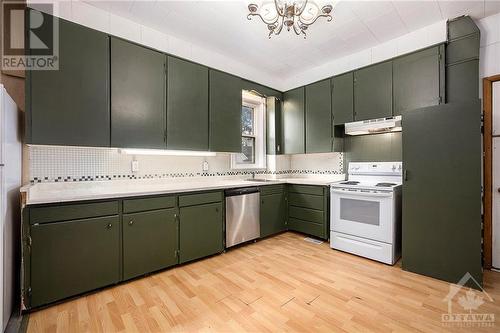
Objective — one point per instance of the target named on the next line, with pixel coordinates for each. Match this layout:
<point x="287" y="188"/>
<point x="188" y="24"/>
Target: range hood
<point x="374" y="126"/>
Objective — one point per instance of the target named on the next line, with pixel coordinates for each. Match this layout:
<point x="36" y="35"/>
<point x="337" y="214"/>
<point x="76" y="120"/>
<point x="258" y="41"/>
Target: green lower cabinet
<point x="150" y="241"/>
<point x="201" y="230"/>
<point x="272" y="214"/>
<point x="308" y="210"/>
<point x="72" y="257"/>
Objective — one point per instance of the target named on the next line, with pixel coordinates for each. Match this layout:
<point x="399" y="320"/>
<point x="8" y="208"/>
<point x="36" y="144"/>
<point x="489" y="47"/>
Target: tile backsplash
<point x="63" y="164"/>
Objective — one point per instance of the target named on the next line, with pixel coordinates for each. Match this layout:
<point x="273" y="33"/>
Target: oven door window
<point x="362" y="211"/>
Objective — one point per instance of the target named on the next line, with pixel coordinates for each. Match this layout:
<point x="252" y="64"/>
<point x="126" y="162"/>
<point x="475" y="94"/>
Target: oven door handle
<point x="364" y="194"/>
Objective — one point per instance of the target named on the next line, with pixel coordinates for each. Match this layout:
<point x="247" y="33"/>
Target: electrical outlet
<point x="135" y="166"/>
<point x="205" y="166"/>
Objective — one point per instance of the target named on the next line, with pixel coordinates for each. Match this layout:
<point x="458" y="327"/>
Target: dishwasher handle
<point x="240" y="191"/>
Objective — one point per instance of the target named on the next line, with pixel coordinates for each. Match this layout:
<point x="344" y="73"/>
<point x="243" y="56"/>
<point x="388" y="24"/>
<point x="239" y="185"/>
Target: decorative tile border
<point x="60" y="179"/>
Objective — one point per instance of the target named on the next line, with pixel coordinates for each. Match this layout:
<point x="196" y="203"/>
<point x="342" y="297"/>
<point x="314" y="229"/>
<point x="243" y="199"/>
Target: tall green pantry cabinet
<point x="70" y="106"/>
<point x="137" y="96"/>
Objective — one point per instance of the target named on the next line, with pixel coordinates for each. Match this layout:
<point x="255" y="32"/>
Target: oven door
<point x="363" y="214"/>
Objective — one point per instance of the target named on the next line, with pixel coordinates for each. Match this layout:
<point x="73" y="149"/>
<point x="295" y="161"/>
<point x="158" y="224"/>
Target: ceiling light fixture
<point x="291" y="14"/>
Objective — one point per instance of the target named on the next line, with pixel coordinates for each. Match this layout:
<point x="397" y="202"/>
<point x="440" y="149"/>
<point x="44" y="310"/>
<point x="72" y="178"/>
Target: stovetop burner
<point x="385" y="184"/>
<point x="350" y="183"/>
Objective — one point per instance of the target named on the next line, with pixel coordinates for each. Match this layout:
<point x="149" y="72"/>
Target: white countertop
<point x="43" y="193"/>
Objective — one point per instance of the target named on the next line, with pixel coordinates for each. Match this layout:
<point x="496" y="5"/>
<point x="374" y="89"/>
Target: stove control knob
<point x="400" y="167"/>
<point x="394" y="167"/>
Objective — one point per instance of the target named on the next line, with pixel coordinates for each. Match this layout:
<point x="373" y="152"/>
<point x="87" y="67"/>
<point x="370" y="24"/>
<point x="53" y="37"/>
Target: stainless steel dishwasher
<point x="242" y="215"/>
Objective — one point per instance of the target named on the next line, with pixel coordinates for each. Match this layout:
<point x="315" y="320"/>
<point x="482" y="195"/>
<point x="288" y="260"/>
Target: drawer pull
<point x="131" y="222"/>
<point x="109" y="226"/>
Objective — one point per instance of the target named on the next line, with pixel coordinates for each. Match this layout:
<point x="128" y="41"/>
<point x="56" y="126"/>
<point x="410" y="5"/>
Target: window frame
<point x="259" y="133"/>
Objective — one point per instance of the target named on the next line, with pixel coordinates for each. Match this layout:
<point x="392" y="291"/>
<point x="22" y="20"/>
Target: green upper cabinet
<point x="150" y="241"/>
<point x="373" y="92"/>
<point x="137" y="96"/>
<point x="70" y="106"/>
<point x="318" y="110"/>
<point x="225" y="112"/>
<point x="343" y="98"/>
<point x="274" y="122"/>
<point x="293" y="121"/>
<point x="187" y="105"/>
<point x="419" y="79"/>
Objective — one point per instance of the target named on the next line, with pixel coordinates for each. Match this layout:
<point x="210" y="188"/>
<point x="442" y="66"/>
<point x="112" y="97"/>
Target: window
<point x="253" y="155"/>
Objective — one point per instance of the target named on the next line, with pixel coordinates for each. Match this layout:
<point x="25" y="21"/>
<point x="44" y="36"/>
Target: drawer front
<point x="140" y="205"/>
<point x="306" y="214"/>
<point x="272" y="189"/>
<point x="306" y="201"/>
<point x="305" y="227"/>
<point x="199" y="199"/>
<point x="306" y="189"/>
<point x="72" y="212"/>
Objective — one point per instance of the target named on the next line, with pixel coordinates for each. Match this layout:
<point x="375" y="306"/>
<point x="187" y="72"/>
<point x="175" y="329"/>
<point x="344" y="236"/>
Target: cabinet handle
<point x="217" y="209"/>
<point x="278" y="148"/>
<point x="176" y="216"/>
<point x="262" y="201"/>
<point x="109" y="226"/>
<point x="130" y="222"/>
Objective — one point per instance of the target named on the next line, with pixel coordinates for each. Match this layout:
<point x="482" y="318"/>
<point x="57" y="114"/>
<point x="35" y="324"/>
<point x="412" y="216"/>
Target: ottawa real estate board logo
<point x="30" y="38"/>
<point x="468" y="305"/>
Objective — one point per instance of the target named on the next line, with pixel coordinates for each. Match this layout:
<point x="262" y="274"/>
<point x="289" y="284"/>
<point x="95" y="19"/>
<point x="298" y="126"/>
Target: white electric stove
<point x="365" y="212"/>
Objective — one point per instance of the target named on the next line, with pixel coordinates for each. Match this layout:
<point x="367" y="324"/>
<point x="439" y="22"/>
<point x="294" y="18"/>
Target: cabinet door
<point x="187" y="105"/>
<point x="72" y="257"/>
<point x="137" y="96"/>
<point x="272" y="214"/>
<point x="417" y="80"/>
<point x="150" y="241"/>
<point x="373" y="92"/>
<point x="200" y="231"/>
<point x="343" y="98"/>
<point x="70" y="106"/>
<point x="225" y="112"/>
<point x="293" y="121"/>
<point x="274" y="122"/>
<point x="441" y="235"/>
<point x="318" y="117"/>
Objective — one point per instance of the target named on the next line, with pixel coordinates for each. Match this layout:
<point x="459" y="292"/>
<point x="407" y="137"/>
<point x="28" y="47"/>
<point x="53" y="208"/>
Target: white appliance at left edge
<point x="10" y="182"/>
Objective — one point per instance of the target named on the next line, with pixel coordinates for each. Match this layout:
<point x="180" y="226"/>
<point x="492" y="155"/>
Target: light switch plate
<point x="135" y="166"/>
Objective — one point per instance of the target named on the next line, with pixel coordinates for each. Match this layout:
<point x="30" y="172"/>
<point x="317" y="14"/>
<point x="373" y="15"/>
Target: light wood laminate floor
<point x="281" y="283"/>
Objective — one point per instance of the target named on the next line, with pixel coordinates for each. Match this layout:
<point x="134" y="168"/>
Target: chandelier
<point x="291" y="14"/>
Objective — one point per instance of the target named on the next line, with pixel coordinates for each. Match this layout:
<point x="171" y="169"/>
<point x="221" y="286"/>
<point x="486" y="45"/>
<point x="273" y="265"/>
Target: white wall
<point x="489" y="61"/>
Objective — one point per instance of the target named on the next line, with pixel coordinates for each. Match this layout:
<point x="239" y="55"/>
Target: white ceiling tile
<point x="386" y="26"/>
<point x="453" y="9"/>
<point x="417" y="14"/>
